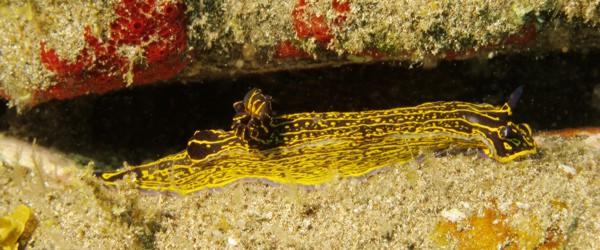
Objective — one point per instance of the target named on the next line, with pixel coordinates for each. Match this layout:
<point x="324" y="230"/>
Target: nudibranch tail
<point x="146" y="171"/>
<point x="313" y="148"/>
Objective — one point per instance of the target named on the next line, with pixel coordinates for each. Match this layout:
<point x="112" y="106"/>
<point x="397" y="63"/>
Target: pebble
<point x="453" y="215"/>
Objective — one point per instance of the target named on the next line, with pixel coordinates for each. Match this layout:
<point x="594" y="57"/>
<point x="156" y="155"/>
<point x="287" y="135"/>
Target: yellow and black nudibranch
<point x="313" y="148"/>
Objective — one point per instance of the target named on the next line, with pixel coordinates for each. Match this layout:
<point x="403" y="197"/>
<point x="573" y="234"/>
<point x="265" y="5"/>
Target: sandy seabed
<point x="550" y="200"/>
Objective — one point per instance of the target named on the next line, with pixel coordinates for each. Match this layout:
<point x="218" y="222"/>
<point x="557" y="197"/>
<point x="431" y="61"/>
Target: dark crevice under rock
<point x="144" y="123"/>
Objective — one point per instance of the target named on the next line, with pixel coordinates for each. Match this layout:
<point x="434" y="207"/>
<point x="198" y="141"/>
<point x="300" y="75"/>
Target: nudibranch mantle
<point x="314" y="148"/>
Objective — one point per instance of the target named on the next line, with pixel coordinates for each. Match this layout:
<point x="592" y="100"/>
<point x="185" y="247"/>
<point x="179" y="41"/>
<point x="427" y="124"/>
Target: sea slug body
<point x="314" y="148"/>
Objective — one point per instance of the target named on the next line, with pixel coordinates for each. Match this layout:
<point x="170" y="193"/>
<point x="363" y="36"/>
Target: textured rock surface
<point x="550" y="200"/>
<point x="62" y="49"/>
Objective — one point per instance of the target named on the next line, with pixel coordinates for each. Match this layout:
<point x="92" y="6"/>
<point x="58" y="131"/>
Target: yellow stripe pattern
<point x="314" y="148"/>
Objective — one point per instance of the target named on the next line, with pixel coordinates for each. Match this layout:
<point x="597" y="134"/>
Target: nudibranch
<point x="314" y="148"/>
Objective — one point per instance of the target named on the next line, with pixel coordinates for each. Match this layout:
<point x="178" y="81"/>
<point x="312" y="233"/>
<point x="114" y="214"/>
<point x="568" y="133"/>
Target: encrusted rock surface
<point x="549" y="200"/>
<point x="63" y="49"/>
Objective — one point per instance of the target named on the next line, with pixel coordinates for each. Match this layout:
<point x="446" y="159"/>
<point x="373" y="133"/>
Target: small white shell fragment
<point x="522" y="205"/>
<point x="465" y="205"/>
<point x="306" y="223"/>
<point x="268" y="215"/>
<point x="231" y="241"/>
<point x="504" y="206"/>
<point x="453" y="215"/>
<point x="568" y="169"/>
<point x="593" y="141"/>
